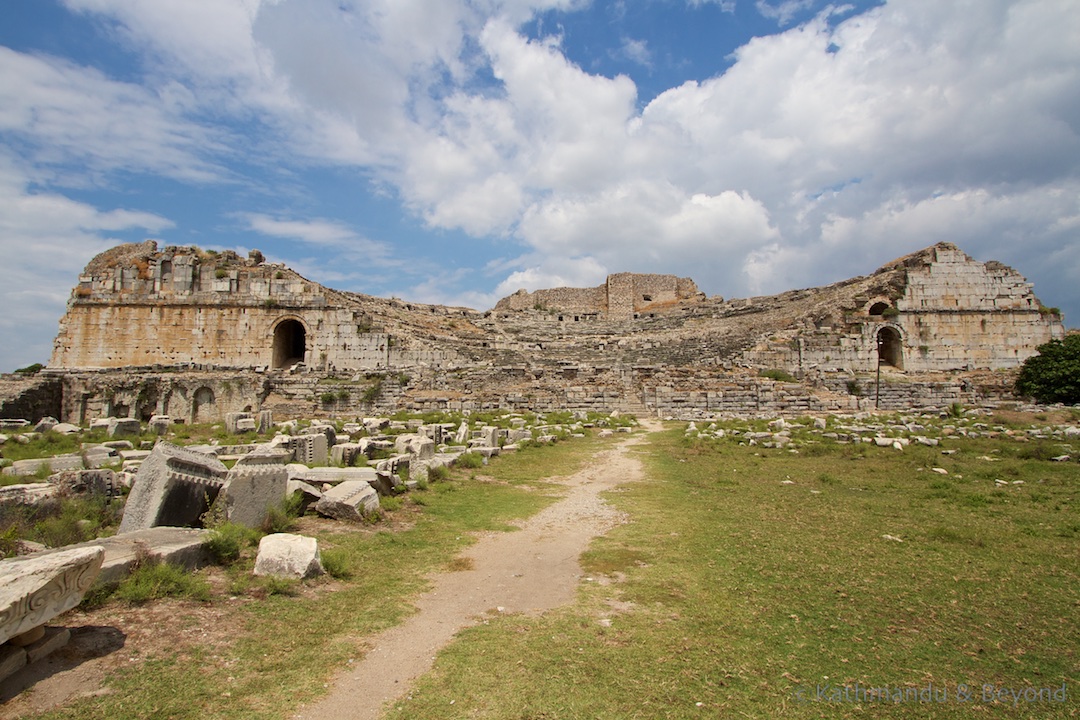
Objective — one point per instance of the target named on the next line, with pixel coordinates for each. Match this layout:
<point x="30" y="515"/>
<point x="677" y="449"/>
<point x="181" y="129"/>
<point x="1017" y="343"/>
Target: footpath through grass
<point x="759" y="583"/>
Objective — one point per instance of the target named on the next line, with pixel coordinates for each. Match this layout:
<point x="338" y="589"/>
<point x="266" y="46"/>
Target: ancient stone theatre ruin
<point x="196" y="334"/>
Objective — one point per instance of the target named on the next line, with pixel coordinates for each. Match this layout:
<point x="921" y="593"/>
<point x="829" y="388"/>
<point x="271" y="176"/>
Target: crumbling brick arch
<point x="289" y="342"/>
<point x="890" y="346"/>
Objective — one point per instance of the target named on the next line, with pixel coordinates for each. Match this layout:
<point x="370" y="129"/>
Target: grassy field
<point x="750" y="582"/>
<point x="735" y="594"/>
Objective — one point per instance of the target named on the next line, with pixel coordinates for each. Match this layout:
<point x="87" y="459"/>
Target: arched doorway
<point x="290" y="343"/>
<point x="890" y="347"/>
<point x="202" y="406"/>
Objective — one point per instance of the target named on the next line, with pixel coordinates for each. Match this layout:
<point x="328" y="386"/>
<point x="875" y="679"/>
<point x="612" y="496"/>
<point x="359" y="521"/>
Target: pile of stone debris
<point x="339" y="471"/>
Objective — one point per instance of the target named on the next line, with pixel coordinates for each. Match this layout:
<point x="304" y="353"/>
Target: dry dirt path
<point x="528" y="571"/>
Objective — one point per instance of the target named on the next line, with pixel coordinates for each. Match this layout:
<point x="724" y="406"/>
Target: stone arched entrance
<point x="890" y="347"/>
<point x="203" y="408"/>
<point x="290" y="343"/>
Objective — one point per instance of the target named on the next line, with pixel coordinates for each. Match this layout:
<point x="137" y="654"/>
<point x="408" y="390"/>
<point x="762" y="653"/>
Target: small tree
<point x="1054" y="374"/>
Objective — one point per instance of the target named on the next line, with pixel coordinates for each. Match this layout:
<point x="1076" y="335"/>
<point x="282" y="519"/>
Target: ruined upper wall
<point x="137" y="306"/>
<point x="933" y="310"/>
<point x="619" y="298"/>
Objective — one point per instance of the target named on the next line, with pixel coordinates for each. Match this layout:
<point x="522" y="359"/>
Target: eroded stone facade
<point x="195" y="335"/>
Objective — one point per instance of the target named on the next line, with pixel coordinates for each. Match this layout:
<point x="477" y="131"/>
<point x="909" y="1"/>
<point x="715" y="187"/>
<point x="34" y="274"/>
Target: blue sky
<point x="454" y="151"/>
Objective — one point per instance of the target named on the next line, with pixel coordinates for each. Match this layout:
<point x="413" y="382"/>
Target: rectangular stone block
<point x="352" y="500"/>
<point x="250" y="491"/>
<point x="54" y="639"/>
<point x="12" y="660"/>
<point x="311" y="449"/>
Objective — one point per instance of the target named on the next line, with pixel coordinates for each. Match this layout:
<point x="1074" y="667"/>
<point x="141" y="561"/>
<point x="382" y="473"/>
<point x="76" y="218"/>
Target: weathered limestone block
<point x="53" y="464"/>
<point x="37" y="588"/>
<point x="419" y="446"/>
<point x="183" y="547"/>
<point x="265" y="455"/>
<point x="462" y="434"/>
<point x="352" y="500"/>
<point x="516" y="436"/>
<point x="29" y="494"/>
<point x="289" y="556"/>
<point x="86" y="482"/>
<point x="46" y="424"/>
<point x="97" y="456"/>
<point x="52" y="639"/>
<point x="250" y="491"/>
<point x="174" y="486"/>
<point x="159" y="424"/>
<point x="321" y="476"/>
<point x="328" y="430"/>
<point x="119" y="427"/>
<point x="311" y="449"/>
<point x="12" y="659"/>
<point x="264" y="422"/>
<point x="232" y="419"/>
<point x="346" y="453"/>
<point x="309" y="494"/>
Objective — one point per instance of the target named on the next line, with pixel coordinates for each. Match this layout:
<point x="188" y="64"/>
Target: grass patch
<point x="741" y="595"/>
<point x="156" y="580"/>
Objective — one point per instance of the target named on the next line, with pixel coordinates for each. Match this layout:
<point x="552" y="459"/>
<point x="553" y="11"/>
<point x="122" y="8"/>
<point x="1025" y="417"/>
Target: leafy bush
<point x="469" y="460"/>
<point x="228" y="540"/>
<point x="1054" y="374"/>
<point x="778" y="375"/>
<point x="436" y="473"/>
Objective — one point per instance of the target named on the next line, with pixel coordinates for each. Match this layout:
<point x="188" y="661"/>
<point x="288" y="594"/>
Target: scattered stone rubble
<point x="897" y="432"/>
<point x="174" y="490"/>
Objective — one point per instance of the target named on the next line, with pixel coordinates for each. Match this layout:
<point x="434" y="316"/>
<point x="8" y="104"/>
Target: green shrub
<point x="469" y="460"/>
<point x="436" y="473"/>
<point x="31" y="369"/>
<point x="778" y="375"/>
<point x="228" y="540"/>
<point x="9" y="542"/>
<point x="335" y="562"/>
<point x="282" y="517"/>
<point x="371" y="394"/>
<point x="1053" y="375"/>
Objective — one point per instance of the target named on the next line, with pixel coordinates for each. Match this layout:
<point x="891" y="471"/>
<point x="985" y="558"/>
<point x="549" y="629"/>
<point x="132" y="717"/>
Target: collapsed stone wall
<point x="135" y="306"/>
<point x="190" y="397"/>
<point x="30" y="396"/>
<point x="932" y="311"/>
<point x="618" y="299"/>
